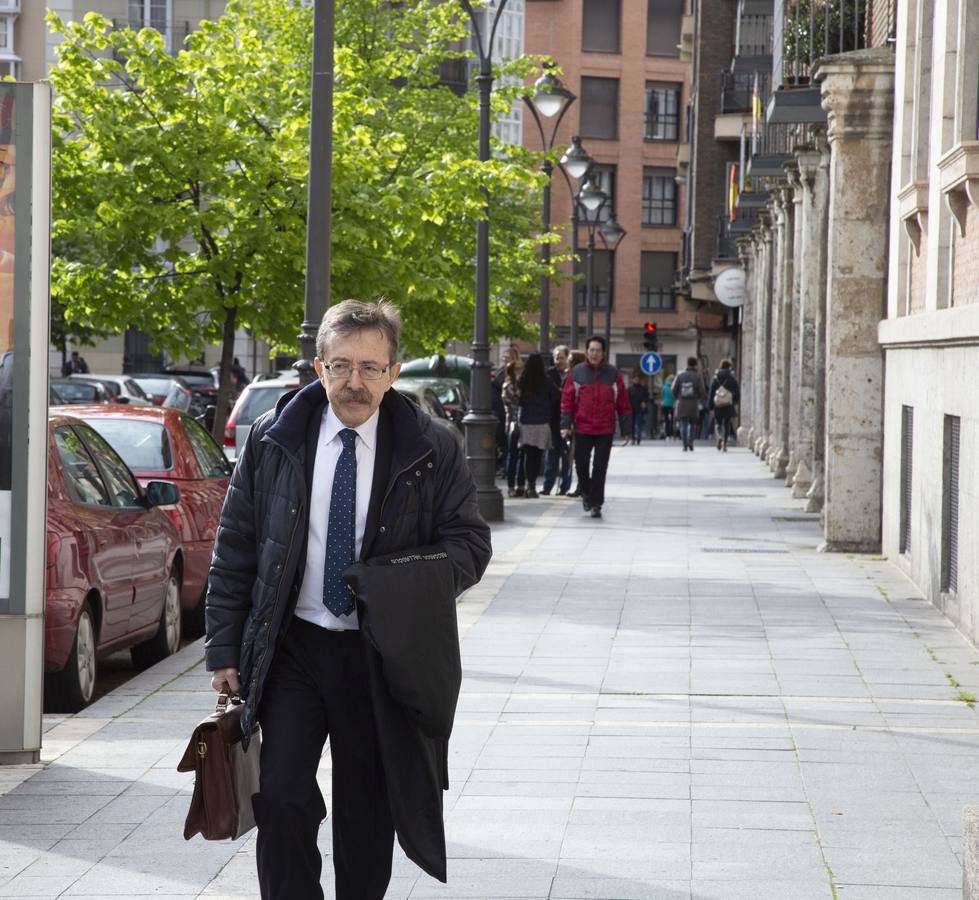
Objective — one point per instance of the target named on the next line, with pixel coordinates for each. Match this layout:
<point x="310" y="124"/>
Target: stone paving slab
<point x="682" y="701"/>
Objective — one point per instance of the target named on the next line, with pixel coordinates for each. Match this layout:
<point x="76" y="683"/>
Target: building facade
<point x="930" y="333"/>
<point x="860" y="168"/>
<point x="628" y="65"/>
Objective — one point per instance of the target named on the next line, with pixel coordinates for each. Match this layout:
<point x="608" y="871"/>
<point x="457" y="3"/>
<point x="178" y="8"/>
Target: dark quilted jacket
<point x="429" y="502"/>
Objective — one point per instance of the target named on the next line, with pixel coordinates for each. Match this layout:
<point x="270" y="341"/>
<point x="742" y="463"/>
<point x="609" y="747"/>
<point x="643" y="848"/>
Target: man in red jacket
<point x="593" y="398"/>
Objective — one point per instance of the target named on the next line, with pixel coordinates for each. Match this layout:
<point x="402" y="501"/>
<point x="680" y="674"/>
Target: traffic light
<point x="650" y="340"/>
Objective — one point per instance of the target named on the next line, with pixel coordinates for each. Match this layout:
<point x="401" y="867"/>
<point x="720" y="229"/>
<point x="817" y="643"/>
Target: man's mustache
<point x="349" y="395"/>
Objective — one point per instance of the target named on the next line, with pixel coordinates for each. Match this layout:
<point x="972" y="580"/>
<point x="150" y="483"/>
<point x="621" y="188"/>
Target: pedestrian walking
<point x="724" y="396"/>
<point x="667" y="403"/>
<point x="515" y="473"/>
<point x="638" y="401"/>
<point x="496" y="393"/>
<point x="688" y="392"/>
<point x="343" y="469"/>
<point x="537" y="397"/>
<point x="239" y="377"/>
<point x="557" y="461"/>
<point x="593" y="398"/>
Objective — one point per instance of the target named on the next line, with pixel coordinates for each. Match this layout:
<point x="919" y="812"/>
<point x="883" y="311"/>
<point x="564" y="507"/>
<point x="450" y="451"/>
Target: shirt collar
<point x="367" y="432"/>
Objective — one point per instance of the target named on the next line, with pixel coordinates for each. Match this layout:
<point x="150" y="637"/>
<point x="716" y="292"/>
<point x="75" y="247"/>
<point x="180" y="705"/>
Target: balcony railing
<point x="738" y="88"/>
<point x="174" y="34"/>
<point x="754" y="36"/>
<point x="807" y="30"/>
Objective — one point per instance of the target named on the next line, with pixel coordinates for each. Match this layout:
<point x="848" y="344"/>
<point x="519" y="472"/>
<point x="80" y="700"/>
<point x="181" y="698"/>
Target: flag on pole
<point x="755" y="113"/>
<point x="732" y="193"/>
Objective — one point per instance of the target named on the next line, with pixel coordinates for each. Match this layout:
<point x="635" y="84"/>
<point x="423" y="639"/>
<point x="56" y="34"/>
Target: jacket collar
<point x="296" y="410"/>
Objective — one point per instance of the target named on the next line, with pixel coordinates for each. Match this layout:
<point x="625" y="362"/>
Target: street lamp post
<point x="480" y="423"/>
<point x="550" y="99"/>
<point x="592" y="200"/>
<point x="611" y="234"/>
<point x="575" y="162"/>
<point x="320" y="191"/>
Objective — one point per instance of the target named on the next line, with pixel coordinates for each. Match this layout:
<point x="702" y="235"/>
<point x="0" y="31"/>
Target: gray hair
<point x="562" y="348"/>
<point x="350" y="316"/>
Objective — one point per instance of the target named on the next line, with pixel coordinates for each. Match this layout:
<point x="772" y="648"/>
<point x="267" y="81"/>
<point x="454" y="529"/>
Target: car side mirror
<point x="162" y="493"/>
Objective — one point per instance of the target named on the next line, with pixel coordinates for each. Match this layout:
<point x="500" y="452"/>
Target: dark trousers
<point x="637" y="417"/>
<point x="515" y="475"/>
<point x="687" y="430"/>
<point x="317" y="687"/>
<point x="559" y="456"/>
<point x="532" y="460"/>
<point x="668" y="420"/>
<point x="592" y="483"/>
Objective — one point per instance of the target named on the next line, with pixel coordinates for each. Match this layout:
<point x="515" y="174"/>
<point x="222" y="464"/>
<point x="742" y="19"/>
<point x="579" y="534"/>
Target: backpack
<point x="723" y="397"/>
<point x="687" y="390"/>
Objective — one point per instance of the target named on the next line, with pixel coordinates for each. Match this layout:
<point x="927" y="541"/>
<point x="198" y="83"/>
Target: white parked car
<point x="256" y="398"/>
<point x="122" y="387"/>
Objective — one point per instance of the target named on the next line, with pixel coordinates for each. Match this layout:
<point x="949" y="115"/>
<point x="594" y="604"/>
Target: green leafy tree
<point x="180" y="179"/>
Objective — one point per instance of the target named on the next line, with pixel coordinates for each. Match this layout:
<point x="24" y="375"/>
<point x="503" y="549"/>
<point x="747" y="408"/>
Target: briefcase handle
<point x="221" y="707"/>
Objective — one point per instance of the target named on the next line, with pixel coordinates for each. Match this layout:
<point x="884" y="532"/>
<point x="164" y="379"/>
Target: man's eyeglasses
<point x="367" y="371"/>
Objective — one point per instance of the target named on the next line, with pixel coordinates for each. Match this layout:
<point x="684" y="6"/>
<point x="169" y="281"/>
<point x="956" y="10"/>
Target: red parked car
<point x="159" y="443"/>
<point x="114" y="563"/>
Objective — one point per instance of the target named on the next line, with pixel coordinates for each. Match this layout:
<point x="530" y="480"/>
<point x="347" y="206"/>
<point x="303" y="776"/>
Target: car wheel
<point x="72" y="688"/>
<point x="166" y="641"/>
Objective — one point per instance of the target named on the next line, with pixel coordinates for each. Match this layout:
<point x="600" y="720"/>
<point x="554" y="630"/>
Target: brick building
<point x="628" y="64"/>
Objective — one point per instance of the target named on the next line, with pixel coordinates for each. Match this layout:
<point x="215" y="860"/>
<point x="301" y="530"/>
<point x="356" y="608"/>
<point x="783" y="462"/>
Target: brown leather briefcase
<point x="225" y="775"/>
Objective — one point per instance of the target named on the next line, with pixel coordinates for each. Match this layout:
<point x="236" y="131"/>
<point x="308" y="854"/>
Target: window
<point x="656" y="280"/>
<point x="141" y="443"/>
<point x="600" y="108"/>
<point x="662" y="111"/>
<point x="151" y="14"/>
<point x="600" y="26"/>
<point x="664" y="20"/>
<point x="604" y="178"/>
<point x="907" y="444"/>
<point x="950" y="506"/>
<point x="85" y="484"/>
<point x="208" y="454"/>
<point x="659" y="197"/>
<point x="122" y="487"/>
<point x="5" y="30"/>
<point x="600" y="297"/>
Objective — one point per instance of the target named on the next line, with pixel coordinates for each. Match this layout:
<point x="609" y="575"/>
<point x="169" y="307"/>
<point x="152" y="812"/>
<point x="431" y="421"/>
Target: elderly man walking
<point x="342" y="470"/>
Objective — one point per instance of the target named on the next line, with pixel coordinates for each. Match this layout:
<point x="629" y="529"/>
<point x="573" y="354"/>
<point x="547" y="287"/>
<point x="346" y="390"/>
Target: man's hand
<point x="566" y="433"/>
<point x="225" y="681"/>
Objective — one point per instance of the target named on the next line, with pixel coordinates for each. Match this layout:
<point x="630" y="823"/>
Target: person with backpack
<point x="592" y="399"/>
<point x="688" y="395"/>
<point x="725" y="395"/>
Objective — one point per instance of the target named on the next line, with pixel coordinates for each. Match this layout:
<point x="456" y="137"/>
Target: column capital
<point x="807" y="163"/>
<point x="858" y="94"/>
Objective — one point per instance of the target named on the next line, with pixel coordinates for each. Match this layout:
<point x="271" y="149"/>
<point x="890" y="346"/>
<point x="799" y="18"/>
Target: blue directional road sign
<point x="651" y="363"/>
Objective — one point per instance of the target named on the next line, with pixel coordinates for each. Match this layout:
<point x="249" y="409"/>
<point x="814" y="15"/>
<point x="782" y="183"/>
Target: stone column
<point x="858" y="96"/>
<point x="812" y="272"/>
<point x="795" y="341"/>
<point x="816" y="495"/>
<point x="776" y="456"/>
<point x="763" y="358"/>
<point x="745" y="361"/>
<point x="783" y="340"/>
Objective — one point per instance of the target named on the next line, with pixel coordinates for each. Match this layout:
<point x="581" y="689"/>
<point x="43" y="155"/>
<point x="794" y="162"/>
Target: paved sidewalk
<point x="682" y="700"/>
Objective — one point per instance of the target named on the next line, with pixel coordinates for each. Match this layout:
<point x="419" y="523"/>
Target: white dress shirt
<point x="310" y="605"/>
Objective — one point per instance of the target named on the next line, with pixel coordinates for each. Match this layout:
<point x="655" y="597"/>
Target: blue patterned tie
<point x="340" y="535"/>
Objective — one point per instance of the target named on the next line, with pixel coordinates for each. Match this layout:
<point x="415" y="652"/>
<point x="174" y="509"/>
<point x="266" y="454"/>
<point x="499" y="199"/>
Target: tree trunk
<point x="225" y="394"/>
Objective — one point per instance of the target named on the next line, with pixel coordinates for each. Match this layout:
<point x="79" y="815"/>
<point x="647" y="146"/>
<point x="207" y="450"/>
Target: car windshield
<point x="159" y="385"/>
<point x="134" y="389"/>
<point x="197" y="379"/>
<point x="258" y="401"/>
<point x="142" y="444"/>
<point x="78" y="392"/>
